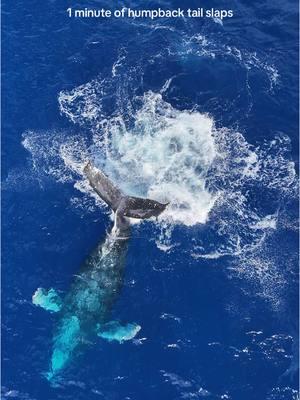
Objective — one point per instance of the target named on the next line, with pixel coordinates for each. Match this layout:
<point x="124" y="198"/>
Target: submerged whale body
<point x="85" y="310"/>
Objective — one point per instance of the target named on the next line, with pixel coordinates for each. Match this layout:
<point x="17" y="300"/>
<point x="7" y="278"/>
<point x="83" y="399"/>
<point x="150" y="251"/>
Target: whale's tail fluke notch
<point x="133" y="207"/>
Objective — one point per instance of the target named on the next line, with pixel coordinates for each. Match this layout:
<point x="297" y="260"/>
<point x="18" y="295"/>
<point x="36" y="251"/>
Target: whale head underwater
<point x="85" y="310"/>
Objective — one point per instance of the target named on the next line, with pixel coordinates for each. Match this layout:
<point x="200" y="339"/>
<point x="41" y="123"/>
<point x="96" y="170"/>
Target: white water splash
<point x="209" y="175"/>
<point x="170" y="155"/>
<point x="165" y="155"/>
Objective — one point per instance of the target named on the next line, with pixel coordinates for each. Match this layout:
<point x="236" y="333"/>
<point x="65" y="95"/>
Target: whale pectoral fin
<point x="47" y="299"/>
<point x="115" y="331"/>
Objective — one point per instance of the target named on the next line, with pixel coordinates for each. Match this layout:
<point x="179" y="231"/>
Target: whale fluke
<point x="128" y="206"/>
<point x="103" y="186"/>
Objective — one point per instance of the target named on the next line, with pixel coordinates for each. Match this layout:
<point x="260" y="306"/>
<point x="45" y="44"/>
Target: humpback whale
<point x="85" y="310"/>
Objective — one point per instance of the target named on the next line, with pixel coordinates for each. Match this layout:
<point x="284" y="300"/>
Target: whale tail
<point x="125" y="206"/>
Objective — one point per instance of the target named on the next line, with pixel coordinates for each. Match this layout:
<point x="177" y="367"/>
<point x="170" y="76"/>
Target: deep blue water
<point x="217" y="298"/>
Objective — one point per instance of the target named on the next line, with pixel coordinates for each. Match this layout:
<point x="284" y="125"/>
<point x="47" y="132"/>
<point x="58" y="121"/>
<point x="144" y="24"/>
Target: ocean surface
<point x="202" y="113"/>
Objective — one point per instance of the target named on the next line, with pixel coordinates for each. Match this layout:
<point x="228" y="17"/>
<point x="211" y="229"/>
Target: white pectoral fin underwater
<point x="115" y="331"/>
<point x="49" y="300"/>
<point x="98" y="283"/>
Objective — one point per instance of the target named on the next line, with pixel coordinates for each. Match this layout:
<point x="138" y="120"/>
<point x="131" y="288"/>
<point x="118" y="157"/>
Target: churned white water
<point x="165" y="156"/>
<point x="209" y="175"/>
<point x="177" y="156"/>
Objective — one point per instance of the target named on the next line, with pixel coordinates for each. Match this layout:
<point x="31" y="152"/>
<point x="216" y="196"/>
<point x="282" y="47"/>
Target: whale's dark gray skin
<point x="133" y="207"/>
<point x="85" y="310"/>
